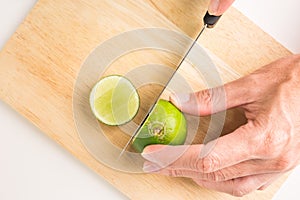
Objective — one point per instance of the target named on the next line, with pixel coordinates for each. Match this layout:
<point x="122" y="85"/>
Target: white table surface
<point x="34" y="167"/>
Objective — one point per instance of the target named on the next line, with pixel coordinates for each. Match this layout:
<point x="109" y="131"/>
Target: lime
<point x="114" y="100"/>
<point x="165" y="125"/>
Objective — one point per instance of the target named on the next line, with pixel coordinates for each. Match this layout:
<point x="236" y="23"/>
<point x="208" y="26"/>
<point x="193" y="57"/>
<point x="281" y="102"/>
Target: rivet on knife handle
<point x="210" y="20"/>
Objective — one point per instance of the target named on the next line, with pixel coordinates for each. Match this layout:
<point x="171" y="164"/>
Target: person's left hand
<point x="255" y="154"/>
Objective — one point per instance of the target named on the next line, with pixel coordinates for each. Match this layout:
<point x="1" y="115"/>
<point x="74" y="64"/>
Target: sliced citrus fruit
<point x="114" y="100"/>
<point x="165" y="125"/>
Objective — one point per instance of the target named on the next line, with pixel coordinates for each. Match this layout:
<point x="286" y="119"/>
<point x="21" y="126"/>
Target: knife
<point x="209" y="22"/>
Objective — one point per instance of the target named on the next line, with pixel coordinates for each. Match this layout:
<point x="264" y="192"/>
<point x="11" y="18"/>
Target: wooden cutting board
<point x="40" y="63"/>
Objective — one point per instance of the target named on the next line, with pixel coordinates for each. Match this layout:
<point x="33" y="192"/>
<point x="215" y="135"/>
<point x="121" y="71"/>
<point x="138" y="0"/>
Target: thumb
<point x="210" y="101"/>
<point x="218" y="7"/>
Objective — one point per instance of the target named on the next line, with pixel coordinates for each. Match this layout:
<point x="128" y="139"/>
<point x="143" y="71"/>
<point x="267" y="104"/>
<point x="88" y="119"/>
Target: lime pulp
<point x="114" y="100"/>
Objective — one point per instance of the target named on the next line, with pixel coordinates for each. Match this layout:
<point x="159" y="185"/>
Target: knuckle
<point x="255" y="142"/>
<point x="212" y="100"/>
<point x="268" y="148"/>
<point x="211" y="177"/>
<point x="218" y="176"/>
<point x="205" y="100"/>
<point x="194" y="162"/>
<point x="251" y="140"/>
<point x="273" y="143"/>
<point x="175" y="173"/>
<point x="205" y="96"/>
<point x="197" y="165"/>
<point x="210" y="163"/>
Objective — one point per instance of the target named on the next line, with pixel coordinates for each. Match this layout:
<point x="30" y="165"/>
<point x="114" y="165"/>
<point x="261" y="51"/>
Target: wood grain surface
<point x="40" y="63"/>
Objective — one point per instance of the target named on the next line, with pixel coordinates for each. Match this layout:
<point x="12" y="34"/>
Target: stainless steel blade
<point x="152" y="107"/>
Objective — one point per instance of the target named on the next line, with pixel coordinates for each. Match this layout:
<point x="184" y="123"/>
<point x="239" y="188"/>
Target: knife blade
<point x="209" y="22"/>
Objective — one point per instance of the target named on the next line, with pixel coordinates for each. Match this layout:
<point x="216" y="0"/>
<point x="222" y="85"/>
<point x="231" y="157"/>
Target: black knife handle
<point x="210" y="20"/>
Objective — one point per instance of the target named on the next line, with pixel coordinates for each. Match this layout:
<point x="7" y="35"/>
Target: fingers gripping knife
<point x="209" y="22"/>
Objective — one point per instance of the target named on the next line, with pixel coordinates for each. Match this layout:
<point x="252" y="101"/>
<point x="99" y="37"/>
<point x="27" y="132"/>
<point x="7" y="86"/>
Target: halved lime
<point x="114" y="100"/>
<point x="165" y="125"/>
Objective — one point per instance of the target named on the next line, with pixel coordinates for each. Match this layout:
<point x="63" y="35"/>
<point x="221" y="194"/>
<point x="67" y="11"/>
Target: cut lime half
<point x="114" y="100"/>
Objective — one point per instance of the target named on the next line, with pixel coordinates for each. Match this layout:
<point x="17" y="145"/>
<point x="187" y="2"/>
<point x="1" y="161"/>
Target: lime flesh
<point x="165" y="125"/>
<point x="114" y="100"/>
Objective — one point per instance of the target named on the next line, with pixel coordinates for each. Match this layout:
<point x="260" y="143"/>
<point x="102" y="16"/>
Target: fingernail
<point x="149" y="167"/>
<point x="213" y="7"/>
<point x="179" y="99"/>
<point x="149" y="157"/>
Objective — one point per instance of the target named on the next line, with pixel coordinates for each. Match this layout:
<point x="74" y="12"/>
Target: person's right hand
<point x="218" y="7"/>
<point x="253" y="155"/>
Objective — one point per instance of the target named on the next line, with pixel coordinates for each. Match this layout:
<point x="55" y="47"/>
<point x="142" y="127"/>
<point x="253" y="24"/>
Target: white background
<point x="34" y="167"/>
